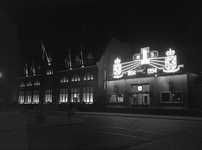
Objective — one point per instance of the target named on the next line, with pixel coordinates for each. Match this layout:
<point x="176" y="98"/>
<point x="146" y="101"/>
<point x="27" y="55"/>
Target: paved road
<point x="99" y="131"/>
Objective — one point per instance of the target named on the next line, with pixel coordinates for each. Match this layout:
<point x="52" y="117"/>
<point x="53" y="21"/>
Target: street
<point x="90" y="131"/>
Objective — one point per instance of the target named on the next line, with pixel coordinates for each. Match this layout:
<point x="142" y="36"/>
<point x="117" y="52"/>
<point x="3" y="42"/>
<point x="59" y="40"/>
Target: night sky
<point x="64" y="24"/>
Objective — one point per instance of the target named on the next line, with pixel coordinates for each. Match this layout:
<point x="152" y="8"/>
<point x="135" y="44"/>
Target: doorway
<point x="141" y="99"/>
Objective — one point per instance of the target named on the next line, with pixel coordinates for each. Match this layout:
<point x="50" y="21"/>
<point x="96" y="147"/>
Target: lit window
<point x="29" y="83"/>
<point x="75" y="78"/>
<point x="36" y="83"/>
<point x="116" y="98"/>
<point x="63" y="79"/>
<point x="22" y="84"/>
<point x="48" y="96"/>
<point x="21" y="97"/>
<point x="75" y="97"/>
<point x="87" y="95"/>
<point x="36" y="97"/>
<point x="177" y="97"/>
<point x="88" y="76"/>
<point x="63" y="95"/>
<point x="49" y="71"/>
<point x="28" y="97"/>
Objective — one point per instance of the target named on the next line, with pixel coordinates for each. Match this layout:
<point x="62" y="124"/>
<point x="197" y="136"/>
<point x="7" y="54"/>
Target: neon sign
<point x="167" y="64"/>
<point x="117" y="68"/>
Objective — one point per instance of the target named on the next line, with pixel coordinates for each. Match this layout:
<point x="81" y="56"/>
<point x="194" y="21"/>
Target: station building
<point x="119" y="78"/>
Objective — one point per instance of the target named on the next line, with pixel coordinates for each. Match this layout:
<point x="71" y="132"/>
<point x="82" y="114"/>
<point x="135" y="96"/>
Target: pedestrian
<point x="70" y="111"/>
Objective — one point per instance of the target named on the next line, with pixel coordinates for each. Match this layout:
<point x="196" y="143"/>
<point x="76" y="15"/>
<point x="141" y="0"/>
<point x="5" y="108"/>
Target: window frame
<point x="171" y="97"/>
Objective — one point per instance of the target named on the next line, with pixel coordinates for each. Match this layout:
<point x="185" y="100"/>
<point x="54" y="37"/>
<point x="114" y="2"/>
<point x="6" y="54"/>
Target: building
<point x="119" y="78"/>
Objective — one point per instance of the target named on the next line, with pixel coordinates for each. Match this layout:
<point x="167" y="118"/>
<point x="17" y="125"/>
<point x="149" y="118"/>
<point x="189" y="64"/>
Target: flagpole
<point x="33" y="67"/>
<point x="70" y="62"/>
<point x="44" y="51"/>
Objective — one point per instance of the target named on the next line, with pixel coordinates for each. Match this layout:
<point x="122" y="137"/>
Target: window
<point x="177" y="97"/>
<point x="116" y="98"/>
<point x="36" y="83"/>
<point x="21" y="97"/>
<point x="63" y="96"/>
<point x="174" y="97"/>
<point x="22" y="84"/>
<point x="63" y="79"/>
<point x="88" y="95"/>
<point x="75" y="78"/>
<point x="36" y="97"/>
<point x="49" y="71"/>
<point x="88" y="76"/>
<point x="165" y="97"/>
<point x="28" y="97"/>
<point x="29" y="83"/>
<point x="75" y="97"/>
<point x="48" y="96"/>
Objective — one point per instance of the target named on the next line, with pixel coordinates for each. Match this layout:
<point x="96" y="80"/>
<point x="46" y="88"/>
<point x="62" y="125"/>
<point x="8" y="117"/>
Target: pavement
<point x="28" y="119"/>
<point x="12" y="120"/>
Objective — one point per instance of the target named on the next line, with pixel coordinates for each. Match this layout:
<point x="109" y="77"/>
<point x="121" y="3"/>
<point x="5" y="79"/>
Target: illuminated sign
<point x="139" y="88"/>
<point x="167" y="64"/>
<point x="151" y="70"/>
<point x="117" y="68"/>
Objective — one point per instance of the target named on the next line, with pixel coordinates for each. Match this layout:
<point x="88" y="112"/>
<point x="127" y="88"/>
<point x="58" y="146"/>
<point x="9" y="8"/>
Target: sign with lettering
<point x="147" y="62"/>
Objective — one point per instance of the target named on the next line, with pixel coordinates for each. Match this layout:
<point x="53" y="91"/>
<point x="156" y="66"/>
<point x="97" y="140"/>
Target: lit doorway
<point x="141" y="99"/>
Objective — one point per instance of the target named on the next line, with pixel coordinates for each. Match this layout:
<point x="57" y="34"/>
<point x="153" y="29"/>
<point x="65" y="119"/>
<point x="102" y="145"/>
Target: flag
<point x="26" y="70"/>
<point x="43" y="50"/>
<point x="70" y="62"/>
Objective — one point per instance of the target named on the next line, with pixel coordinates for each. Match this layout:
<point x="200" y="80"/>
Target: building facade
<point x="119" y="78"/>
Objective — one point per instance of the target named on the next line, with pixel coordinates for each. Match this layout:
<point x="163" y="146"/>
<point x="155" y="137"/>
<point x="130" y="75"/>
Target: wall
<point x="180" y="83"/>
<point x="157" y="85"/>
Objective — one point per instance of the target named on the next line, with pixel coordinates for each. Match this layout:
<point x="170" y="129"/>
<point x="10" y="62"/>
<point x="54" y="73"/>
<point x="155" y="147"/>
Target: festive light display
<point x="167" y="64"/>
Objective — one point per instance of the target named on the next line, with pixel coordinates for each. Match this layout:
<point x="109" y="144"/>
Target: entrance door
<point x="141" y="99"/>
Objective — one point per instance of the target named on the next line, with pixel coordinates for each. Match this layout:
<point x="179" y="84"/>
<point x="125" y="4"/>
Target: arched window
<point x="36" y="83"/>
<point x="49" y="71"/>
<point x="29" y="83"/>
<point x="64" y="79"/>
<point x="22" y="84"/>
<point x="75" y="78"/>
<point x="88" y="76"/>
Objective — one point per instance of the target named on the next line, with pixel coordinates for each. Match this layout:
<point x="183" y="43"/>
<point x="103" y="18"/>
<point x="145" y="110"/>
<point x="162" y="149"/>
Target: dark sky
<point x="64" y="24"/>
